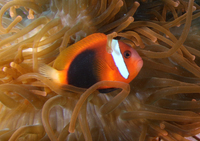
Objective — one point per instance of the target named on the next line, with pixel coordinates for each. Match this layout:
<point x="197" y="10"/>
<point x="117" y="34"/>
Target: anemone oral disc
<point x="118" y="59"/>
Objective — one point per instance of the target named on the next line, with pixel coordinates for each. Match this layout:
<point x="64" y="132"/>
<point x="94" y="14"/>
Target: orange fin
<point x="103" y="70"/>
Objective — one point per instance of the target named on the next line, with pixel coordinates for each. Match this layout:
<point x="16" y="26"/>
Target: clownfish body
<point x="87" y="62"/>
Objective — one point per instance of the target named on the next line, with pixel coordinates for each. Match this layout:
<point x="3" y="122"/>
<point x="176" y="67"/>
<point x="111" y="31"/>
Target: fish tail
<point x="49" y="72"/>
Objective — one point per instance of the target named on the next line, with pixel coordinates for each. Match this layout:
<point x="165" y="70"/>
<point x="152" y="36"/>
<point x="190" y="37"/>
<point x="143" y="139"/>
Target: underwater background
<point x="162" y="102"/>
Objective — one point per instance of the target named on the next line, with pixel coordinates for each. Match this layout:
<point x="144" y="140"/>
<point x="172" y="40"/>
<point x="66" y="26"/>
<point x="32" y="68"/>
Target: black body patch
<point x="81" y="71"/>
<point x="108" y="90"/>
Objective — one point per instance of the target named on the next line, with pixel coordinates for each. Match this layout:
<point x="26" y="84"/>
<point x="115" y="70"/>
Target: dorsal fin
<point x="68" y="54"/>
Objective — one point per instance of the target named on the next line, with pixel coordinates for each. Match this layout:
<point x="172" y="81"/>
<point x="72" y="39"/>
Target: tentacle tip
<point x="162" y="126"/>
<point x="193" y="57"/>
<point x="194" y="8"/>
<point x="130" y="19"/>
<point x="12" y="64"/>
<point x="137" y="3"/>
<point x="154" y="40"/>
<point x="121" y="116"/>
<point x="176" y="4"/>
<point x="121" y="3"/>
<point x="71" y="130"/>
<point x="19" y="17"/>
<point x="4" y="69"/>
<point x="12" y="14"/>
<point x="165" y="133"/>
<point x="114" y="34"/>
<point x="30" y="16"/>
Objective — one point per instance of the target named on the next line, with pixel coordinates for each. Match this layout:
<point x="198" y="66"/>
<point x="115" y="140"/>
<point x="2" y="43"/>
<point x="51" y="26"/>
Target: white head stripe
<point x="118" y="59"/>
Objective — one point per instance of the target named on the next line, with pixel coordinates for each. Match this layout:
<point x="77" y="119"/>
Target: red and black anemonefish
<point x="87" y="62"/>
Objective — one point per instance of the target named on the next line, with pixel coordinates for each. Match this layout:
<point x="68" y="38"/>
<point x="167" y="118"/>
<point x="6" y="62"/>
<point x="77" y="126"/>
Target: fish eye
<point x="127" y="54"/>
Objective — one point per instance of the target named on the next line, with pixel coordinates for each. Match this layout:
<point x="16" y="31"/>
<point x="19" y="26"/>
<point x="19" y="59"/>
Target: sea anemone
<point x="162" y="102"/>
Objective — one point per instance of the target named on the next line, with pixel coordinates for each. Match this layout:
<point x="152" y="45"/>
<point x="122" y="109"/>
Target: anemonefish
<point x="87" y="62"/>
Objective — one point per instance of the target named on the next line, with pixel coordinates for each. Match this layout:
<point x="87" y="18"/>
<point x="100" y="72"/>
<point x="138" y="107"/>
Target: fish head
<point x="127" y="60"/>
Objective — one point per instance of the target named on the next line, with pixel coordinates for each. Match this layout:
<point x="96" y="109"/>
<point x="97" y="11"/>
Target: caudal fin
<point x="49" y="72"/>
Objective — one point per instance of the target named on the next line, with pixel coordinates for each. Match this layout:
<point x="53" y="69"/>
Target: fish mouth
<point x="139" y="64"/>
